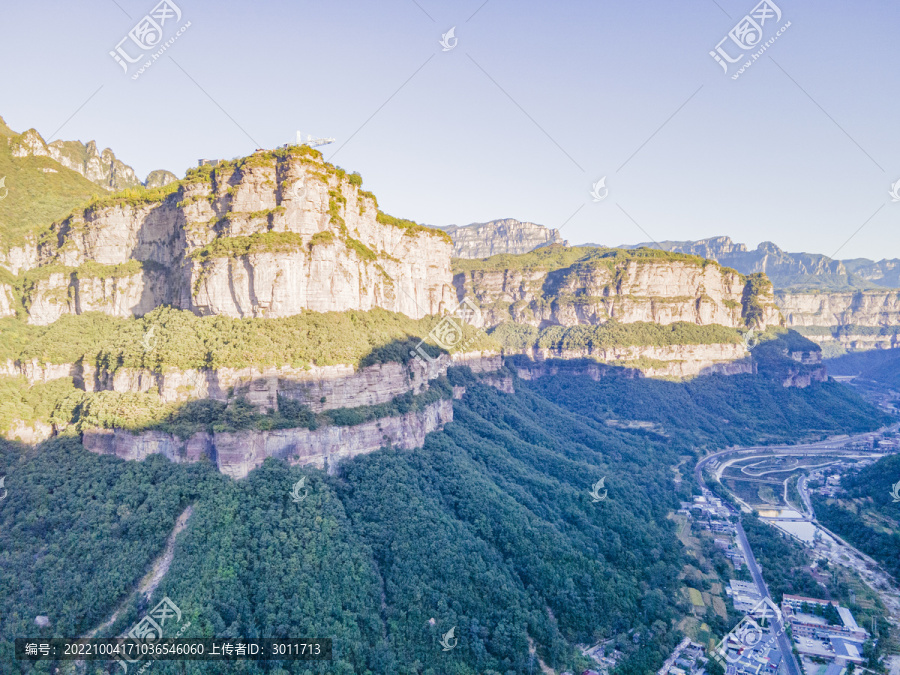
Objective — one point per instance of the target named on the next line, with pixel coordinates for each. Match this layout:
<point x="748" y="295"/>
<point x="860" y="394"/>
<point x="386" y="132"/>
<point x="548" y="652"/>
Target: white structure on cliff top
<point x="312" y="142"/>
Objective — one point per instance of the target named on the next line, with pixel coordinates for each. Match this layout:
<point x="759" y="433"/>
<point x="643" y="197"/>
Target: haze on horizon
<point x="533" y="104"/>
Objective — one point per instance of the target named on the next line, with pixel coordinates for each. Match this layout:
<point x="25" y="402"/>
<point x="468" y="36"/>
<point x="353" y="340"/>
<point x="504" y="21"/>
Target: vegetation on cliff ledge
<point x="411" y="228"/>
<point x="36" y="192"/>
<point x="174" y="339"/>
<point x="490" y="528"/>
<point x="146" y="411"/>
<point x="171" y="338"/>
<point x="612" y="334"/>
<point x="260" y="242"/>
<point x="557" y="256"/>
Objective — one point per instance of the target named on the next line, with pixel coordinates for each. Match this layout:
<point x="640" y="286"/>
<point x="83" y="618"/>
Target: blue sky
<point x="535" y="103"/>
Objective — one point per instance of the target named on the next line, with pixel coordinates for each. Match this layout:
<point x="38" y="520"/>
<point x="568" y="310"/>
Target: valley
<point x="252" y="392"/>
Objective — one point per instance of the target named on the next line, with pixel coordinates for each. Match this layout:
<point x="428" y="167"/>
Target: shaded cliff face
<point x="268" y="236"/>
<point x="482" y="240"/>
<point x="575" y="286"/>
<point x="860" y="320"/>
<point x="238" y="453"/>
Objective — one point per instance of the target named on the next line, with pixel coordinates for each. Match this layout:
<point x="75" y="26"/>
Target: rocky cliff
<point x="670" y="361"/>
<point x="238" y="453"/>
<point x="851" y="320"/>
<point x="159" y="178"/>
<point x="567" y="287"/>
<point x="482" y="240"/>
<point x="795" y="271"/>
<point x="100" y="167"/>
<point x="270" y="235"/>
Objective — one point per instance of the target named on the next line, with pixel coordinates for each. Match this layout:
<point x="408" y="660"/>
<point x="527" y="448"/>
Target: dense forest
<point x="490" y="528"/>
<point x="866" y="515"/>
<point x="879" y="365"/>
<point x="783" y="562"/>
<point x="716" y="412"/>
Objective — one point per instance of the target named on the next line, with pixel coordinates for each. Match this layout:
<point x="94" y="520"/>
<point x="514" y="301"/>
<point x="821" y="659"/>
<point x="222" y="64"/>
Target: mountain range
<point x="791" y="271"/>
<point x="253" y="394"/>
<point x="102" y="168"/>
<point x="787" y="271"/>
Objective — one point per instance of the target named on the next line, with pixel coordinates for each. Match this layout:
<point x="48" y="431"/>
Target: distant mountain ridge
<point x="504" y="236"/>
<point x="791" y="271"/>
<point x="101" y="168"/>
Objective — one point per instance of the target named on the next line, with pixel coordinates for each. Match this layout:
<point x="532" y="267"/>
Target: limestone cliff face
<point x="7" y="301"/>
<point x="270" y="237"/>
<point x="678" y="361"/>
<point x="482" y="240"/>
<point x="809" y="370"/>
<point x="20" y="258"/>
<point x="236" y="454"/>
<point x="650" y="290"/>
<point x="859" y="320"/>
<point x="318" y="387"/>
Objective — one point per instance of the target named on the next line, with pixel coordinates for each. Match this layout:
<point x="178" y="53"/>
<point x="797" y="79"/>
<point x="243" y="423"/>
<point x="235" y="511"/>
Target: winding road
<point x="829" y="446"/>
<point x="784" y="644"/>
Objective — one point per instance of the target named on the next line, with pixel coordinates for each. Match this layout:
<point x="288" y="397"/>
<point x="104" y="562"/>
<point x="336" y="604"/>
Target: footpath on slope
<point x="152" y="579"/>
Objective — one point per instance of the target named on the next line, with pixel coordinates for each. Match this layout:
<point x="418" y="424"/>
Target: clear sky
<point x="534" y="104"/>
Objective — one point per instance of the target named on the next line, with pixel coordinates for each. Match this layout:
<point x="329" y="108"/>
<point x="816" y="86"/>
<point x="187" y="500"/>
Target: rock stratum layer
<point x="238" y="453"/>
<point x="674" y="361"/>
<point x="507" y="236"/>
<point x="853" y="320"/>
<point x="271" y="235"/>
<point x="568" y="287"/>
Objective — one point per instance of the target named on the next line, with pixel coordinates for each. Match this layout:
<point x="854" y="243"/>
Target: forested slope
<point x="490" y="528"/>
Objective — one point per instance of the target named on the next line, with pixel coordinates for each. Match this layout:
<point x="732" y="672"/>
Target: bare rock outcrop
<point x="100" y="167"/>
<point x="482" y="240"/>
<point x="590" y="292"/>
<point x="236" y="454"/>
<point x="853" y="320"/>
<point x="673" y="361"/>
<point x="269" y="236"/>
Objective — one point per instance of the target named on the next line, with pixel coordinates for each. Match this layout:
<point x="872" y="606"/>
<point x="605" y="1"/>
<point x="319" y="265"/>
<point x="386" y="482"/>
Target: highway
<point x="784" y="644"/>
